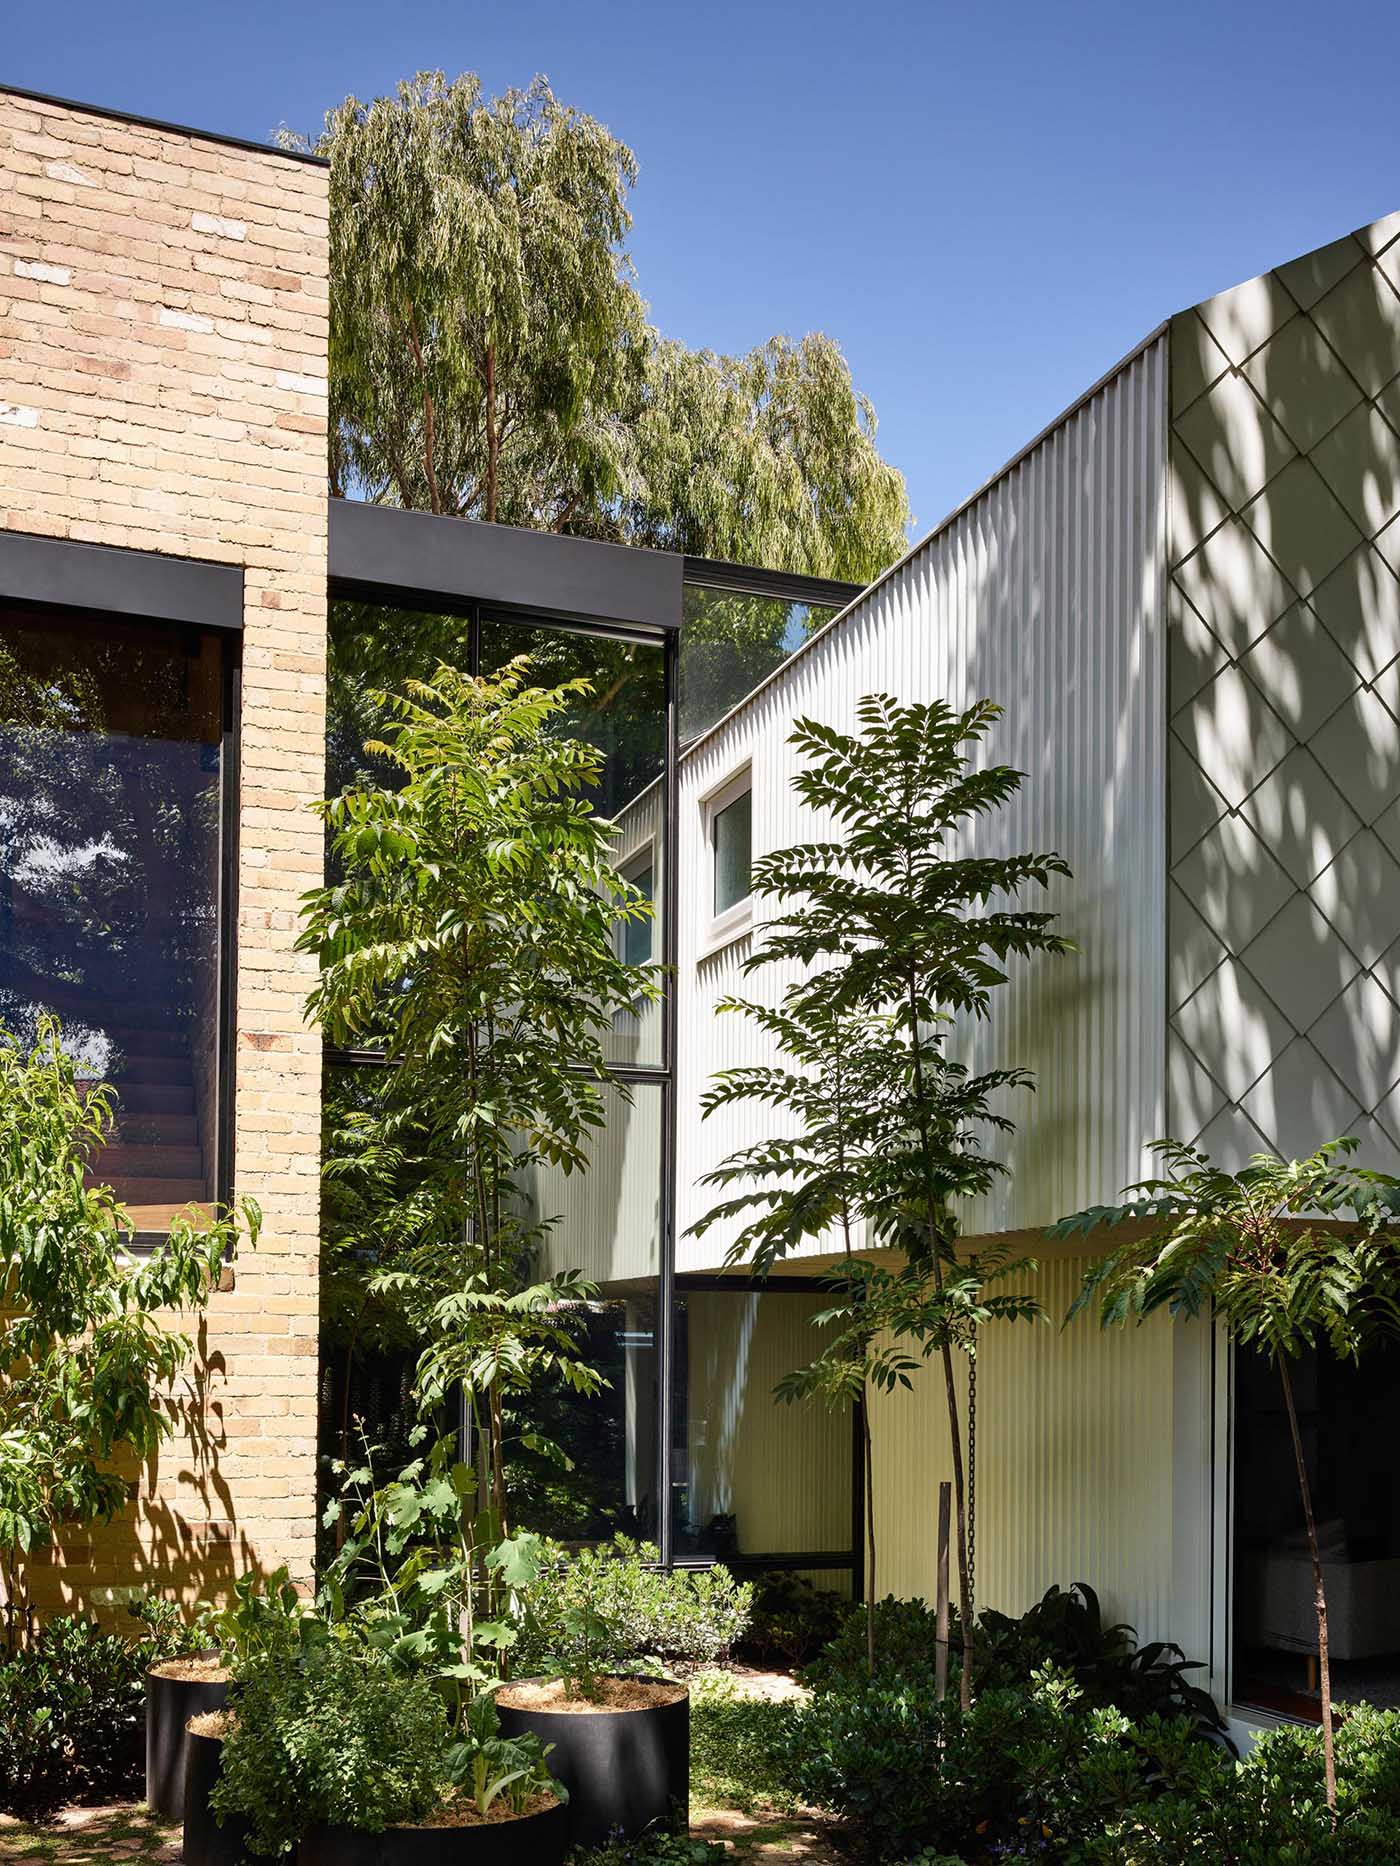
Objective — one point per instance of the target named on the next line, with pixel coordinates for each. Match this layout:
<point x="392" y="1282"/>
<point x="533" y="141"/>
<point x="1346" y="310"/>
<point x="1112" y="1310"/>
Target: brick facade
<point x="163" y="330"/>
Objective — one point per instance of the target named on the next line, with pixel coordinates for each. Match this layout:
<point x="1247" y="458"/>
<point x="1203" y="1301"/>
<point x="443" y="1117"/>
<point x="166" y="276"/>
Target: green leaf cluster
<point x="87" y="1360"/>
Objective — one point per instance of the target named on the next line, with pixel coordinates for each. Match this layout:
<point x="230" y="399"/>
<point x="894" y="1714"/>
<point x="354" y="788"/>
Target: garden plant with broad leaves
<point x="1288" y="1255"/>
<point x="893" y="930"/>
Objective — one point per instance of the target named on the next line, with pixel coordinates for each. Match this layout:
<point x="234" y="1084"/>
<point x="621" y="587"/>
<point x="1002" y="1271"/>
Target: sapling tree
<point x="87" y="1362"/>
<point x="1289" y="1255"/>
<point x="473" y="938"/>
<point x="890" y="928"/>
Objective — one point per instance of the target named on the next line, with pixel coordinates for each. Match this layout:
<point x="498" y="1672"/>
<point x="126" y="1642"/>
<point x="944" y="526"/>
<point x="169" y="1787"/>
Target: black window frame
<point x="109" y="586"/>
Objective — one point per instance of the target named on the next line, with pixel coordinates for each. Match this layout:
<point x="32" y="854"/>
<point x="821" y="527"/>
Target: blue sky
<point x="985" y="205"/>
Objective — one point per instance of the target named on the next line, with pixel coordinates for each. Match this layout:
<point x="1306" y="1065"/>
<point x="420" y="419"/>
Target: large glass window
<point x="1345" y="1415"/>
<point x="731" y="640"/>
<point x="731" y="1435"/>
<point x="605" y="1221"/>
<point x="111" y="839"/>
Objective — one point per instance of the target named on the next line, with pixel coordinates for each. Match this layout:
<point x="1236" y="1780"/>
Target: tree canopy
<point x="491" y="356"/>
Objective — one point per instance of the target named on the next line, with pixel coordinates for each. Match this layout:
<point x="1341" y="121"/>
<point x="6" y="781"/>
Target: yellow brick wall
<point x="163" y="310"/>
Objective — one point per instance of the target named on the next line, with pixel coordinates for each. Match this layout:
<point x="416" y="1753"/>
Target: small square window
<point x="731" y="833"/>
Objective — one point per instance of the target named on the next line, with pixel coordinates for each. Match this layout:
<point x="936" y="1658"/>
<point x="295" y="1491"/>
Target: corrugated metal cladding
<point x="1046" y="594"/>
<point x="1052" y="1408"/>
<point x="738" y="1441"/>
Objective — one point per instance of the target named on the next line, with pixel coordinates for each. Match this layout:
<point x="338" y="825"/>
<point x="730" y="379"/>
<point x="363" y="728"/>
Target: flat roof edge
<point x="416" y="559"/>
<point x="159" y="123"/>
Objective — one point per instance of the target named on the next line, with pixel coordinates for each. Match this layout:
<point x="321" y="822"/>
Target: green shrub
<point x="626" y="1611"/>
<point x="740" y="1753"/>
<point x="1039" y="1774"/>
<point x="73" y="1706"/>
<point x="792" y="1619"/>
<point x="657" y="1848"/>
<point x="333" y="1736"/>
<point x="1064" y="1629"/>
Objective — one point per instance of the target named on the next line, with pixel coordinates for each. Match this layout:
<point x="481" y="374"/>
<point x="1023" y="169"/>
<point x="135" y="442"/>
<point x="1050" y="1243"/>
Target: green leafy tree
<point x="490" y="355"/>
<point x="484" y="327"/>
<point x="767" y="458"/>
<point x="1288" y="1254"/>
<point x="86" y="1362"/>
<point x="888" y="934"/>
<point x="473" y="937"/>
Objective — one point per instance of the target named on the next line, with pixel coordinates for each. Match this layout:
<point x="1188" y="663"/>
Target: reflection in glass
<point x="1345" y="1413"/>
<point x="729" y="643"/>
<point x="607" y="1224"/>
<point x="637" y="934"/>
<point x="374" y="648"/>
<point x="732" y="831"/>
<point x="110" y="802"/>
<point x="623" y="714"/>
<point x="731" y="1435"/>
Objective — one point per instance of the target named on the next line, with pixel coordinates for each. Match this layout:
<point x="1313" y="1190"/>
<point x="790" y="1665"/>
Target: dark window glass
<point x="732" y="834"/>
<point x="1345" y="1413"/>
<point x="111" y="777"/>
<point x="624" y="711"/>
<point x="731" y="1435"/>
<point x="729" y="643"/>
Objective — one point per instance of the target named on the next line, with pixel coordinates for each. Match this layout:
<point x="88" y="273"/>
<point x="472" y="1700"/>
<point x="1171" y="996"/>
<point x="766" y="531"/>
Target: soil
<point x="211" y="1723"/>
<point x="461" y="1813"/>
<point x="194" y="1668"/>
<point x="613" y="1694"/>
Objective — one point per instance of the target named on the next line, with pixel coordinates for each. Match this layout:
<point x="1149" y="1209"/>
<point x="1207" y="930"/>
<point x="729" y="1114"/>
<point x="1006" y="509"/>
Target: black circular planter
<point x="531" y="1840"/>
<point x="207" y="1842"/>
<point x="624" y="1769"/>
<point x="170" y="1703"/>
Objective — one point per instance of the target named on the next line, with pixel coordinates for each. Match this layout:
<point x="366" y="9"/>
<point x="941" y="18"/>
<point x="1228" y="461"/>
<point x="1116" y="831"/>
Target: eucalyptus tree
<point x="889" y="932"/>
<point x="485" y="330"/>
<point x="491" y="357"/>
<point x="473" y="936"/>
<point x="1286" y="1254"/>
<point x="87" y="1364"/>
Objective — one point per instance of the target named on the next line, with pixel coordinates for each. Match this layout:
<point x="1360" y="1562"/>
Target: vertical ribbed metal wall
<point x="1045" y="593"/>
<point x="1074" y="1464"/>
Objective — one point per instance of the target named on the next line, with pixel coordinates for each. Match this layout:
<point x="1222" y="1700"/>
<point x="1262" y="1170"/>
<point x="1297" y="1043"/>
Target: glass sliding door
<point x="112" y="843"/>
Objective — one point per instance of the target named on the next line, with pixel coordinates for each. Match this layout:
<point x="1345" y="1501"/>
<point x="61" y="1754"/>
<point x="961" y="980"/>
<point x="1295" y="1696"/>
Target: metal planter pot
<point x="530" y="1840"/>
<point x="170" y="1703"/>
<point x="625" y="1770"/>
<point x="207" y="1842"/>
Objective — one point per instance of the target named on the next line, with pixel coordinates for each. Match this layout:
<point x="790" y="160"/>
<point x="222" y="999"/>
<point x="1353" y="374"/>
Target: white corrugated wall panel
<point x="1045" y="594"/>
<point x="1074" y="1464"/>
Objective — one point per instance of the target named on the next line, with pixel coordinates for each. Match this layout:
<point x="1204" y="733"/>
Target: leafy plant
<point x="658" y="1847"/>
<point x="72" y="1707"/>
<point x="611" y="1608"/>
<point x="336" y="1735"/>
<point x="887" y="934"/>
<point x="1263" y="1251"/>
<point x="86" y="1363"/>
<point x="418" y="1578"/>
<point x="487" y="1764"/>
<point x="792" y="1619"/>
<point x="267" y="1619"/>
<point x="473" y="936"/>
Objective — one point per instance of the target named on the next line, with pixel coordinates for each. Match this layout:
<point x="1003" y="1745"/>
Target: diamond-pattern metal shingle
<point x="1284" y="935"/>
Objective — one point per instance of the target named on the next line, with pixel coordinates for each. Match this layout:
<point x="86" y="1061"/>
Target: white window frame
<point x="723" y="929"/>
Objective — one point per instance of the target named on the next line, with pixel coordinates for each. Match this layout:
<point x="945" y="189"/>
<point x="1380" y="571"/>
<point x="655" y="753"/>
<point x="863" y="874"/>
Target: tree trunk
<point x="870" y="1595"/>
<point x="493" y="439"/>
<point x="1324" y="1669"/>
